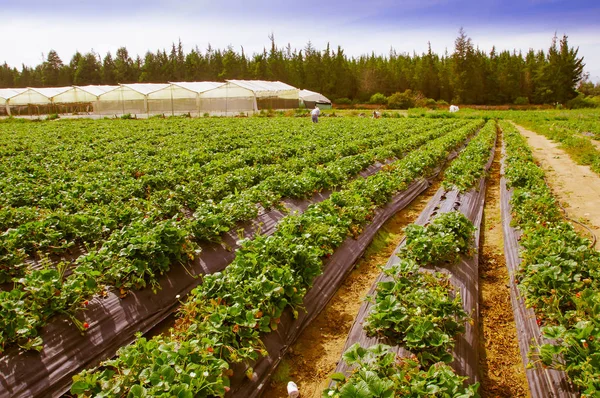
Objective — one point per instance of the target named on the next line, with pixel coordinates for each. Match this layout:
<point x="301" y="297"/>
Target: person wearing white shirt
<point x="315" y="114"/>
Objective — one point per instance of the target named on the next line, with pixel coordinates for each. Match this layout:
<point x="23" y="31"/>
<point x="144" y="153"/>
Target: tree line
<point x="468" y="75"/>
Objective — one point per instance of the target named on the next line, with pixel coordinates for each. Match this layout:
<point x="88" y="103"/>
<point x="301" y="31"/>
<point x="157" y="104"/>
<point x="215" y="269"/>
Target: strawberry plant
<point x="141" y="205"/>
<point x="378" y="372"/>
<point x="419" y="311"/>
<point x="228" y="312"/>
<point x="559" y="275"/>
<point x="468" y="168"/>
<point x="445" y="239"/>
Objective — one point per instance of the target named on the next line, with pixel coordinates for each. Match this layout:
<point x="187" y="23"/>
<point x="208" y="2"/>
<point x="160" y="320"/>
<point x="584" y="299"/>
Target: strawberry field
<point x="93" y="211"/>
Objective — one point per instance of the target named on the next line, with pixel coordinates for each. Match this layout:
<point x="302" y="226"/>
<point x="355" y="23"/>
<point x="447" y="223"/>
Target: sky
<point x="30" y="29"/>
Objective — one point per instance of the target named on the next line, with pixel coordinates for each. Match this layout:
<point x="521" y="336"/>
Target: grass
<point x="282" y="373"/>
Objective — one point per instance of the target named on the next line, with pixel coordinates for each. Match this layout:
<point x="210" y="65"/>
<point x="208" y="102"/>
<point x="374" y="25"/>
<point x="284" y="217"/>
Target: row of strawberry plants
<point x="417" y="309"/>
<point x="420" y="311"/>
<point x="210" y="217"/>
<point x="468" y="168"/>
<point x="138" y="254"/>
<point x="221" y="322"/>
<point x="34" y="230"/>
<point x="560" y="272"/>
<point x="379" y="372"/>
<point x="39" y="229"/>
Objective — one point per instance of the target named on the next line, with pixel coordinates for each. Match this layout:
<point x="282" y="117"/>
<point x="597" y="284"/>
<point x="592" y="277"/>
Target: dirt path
<point x="501" y="368"/>
<point x="575" y="186"/>
<point x="313" y="358"/>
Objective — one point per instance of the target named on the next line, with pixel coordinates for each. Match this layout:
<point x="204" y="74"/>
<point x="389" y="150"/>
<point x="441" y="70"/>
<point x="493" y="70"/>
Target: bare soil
<point x="501" y="369"/>
<point x="314" y="357"/>
<point x="575" y="186"/>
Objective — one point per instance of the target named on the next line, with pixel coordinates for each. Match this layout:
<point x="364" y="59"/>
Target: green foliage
<point x="430" y="103"/>
<point x="379" y="373"/>
<point x="343" y="101"/>
<point x="468" y="74"/>
<point x="521" y="101"/>
<point x="469" y="167"/>
<point x="141" y="200"/>
<point x="572" y="134"/>
<point x="403" y="100"/>
<point x="581" y="101"/>
<point x="447" y="237"/>
<point x="226" y="315"/>
<point x="378" y="99"/>
<point x="560" y="272"/>
<point x="418" y="311"/>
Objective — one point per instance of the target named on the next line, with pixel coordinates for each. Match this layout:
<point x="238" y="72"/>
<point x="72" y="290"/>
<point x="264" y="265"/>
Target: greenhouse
<point x="228" y="99"/>
<point x="5" y="95"/>
<point x="127" y="98"/>
<point x="310" y="99"/>
<point x="195" y="98"/>
<point x="36" y="101"/>
<point x="181" y="97"/>
<point x="270" y="95"/>
<point x="79" y="99"/>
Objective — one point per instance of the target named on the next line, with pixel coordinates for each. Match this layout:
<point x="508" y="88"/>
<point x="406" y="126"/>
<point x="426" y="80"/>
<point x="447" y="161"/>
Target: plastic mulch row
<point x="335" y="271"/>
<point x="543" y="382"/>
<point x="114" y="321"/>
<point x="464" y="277"/>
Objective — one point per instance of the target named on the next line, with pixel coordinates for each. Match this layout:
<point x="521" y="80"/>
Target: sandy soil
<point x="313" y="358"/>
<point x="575" y="186"/>
<point x="501" y="368"/>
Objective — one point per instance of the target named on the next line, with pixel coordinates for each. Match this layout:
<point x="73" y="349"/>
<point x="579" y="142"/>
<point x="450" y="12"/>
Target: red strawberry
<point x="539" y="322"/>
<point x="86" y="325"/>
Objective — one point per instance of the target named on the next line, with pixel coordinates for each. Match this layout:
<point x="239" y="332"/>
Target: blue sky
<point x="358" y="26"/>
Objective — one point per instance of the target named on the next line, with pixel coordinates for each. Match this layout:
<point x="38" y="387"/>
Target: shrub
<point x="378" y="99"/>
<point x="442" y="102"/>
<point x="430" y="103"/>
<point x="581" y="101"/>
<point x="52" y="116"/>
<point x="521" y="101"/>
<point x="343" y="101"/>
<point x="127" y="116"/>
<point x="403" y="100"/>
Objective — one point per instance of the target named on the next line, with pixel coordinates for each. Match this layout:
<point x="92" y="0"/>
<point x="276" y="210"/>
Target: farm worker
<point x="376" y="115"/>
<point x="315" y="114"/>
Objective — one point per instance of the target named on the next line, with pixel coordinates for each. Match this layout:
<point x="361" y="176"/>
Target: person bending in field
<point x="315" y="114"/>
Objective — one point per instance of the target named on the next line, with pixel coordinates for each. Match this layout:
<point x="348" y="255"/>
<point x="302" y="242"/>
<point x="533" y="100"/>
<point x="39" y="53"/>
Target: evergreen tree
<point x="51" y="70"/>
<point x="108" y="70"/>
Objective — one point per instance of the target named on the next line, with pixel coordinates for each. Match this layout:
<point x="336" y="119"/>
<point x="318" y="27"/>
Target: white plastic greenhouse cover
<point x="146" y="88"/>
<point x="97" y="90"/>
<point x="81" y="94"/>
<point x="8" y="93"/>
<point x="198" y="87"/>
<point x="37" y="96"/>
<point x="51" y="92"/>
<point x="307" y="95"/>
<point x="265" y="88"/>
